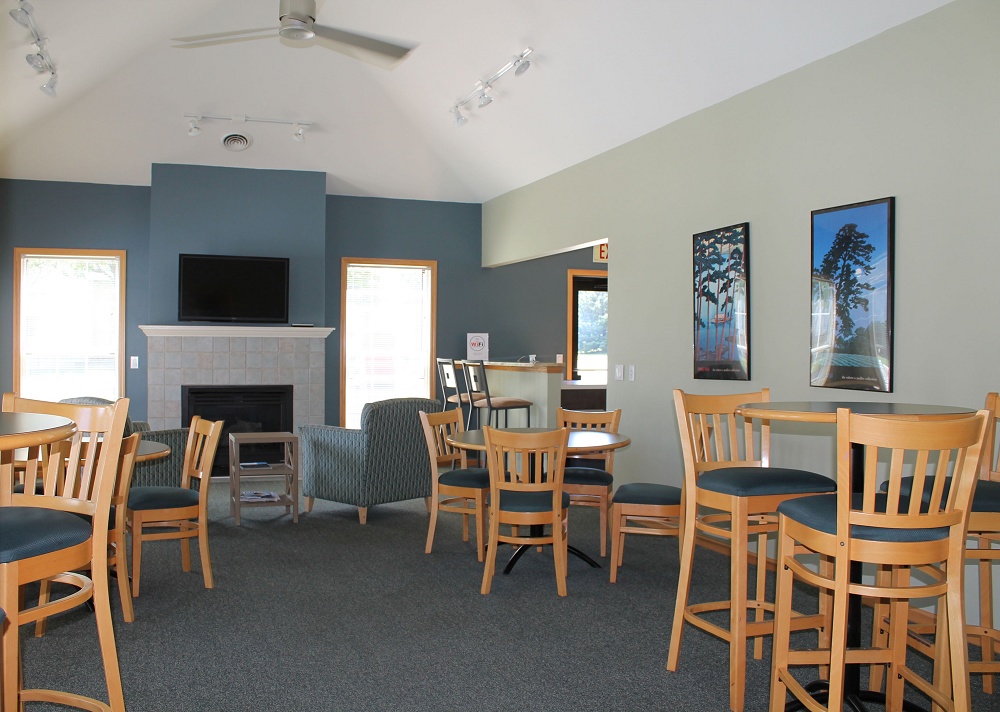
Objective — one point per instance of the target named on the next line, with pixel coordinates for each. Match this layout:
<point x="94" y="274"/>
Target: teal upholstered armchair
<point x="384" y="461"/>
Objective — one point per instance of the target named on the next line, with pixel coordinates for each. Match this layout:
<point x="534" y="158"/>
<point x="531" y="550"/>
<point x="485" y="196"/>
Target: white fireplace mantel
<point x="294" y="332"/>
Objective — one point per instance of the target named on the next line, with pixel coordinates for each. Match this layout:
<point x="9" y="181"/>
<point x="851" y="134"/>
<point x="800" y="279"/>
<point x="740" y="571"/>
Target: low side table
<point x="288" y="469"/>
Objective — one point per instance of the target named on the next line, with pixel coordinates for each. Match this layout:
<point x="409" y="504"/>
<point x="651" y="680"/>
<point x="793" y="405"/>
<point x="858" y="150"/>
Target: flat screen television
<point x="233" y="289"/>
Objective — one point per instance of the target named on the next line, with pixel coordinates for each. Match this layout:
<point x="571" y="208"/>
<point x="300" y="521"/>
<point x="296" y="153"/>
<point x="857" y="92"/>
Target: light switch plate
<point x="631" y="372"/>
<point x="133" y="362"/>
<point x="619" y="372"/>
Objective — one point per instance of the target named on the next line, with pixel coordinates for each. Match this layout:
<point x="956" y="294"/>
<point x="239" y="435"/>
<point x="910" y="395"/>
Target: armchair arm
<point x="332" y="464"/>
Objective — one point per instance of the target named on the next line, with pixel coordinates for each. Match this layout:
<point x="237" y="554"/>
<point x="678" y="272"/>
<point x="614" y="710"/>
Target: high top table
<point x="826" y="412"/>
<point x="580" y="442"/>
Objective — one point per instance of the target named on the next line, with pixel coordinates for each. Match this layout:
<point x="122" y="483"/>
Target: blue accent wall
<point x="78" y="215"/>
<point x="287" y="214"/>
<point x="238" y="211"/>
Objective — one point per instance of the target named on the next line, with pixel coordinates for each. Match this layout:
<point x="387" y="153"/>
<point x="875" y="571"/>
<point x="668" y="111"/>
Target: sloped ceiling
<point x="604" y="73"/>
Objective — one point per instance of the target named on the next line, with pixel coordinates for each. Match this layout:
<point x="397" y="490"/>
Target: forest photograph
<point x="851" y="331"/>
<point x="721" y="328"/>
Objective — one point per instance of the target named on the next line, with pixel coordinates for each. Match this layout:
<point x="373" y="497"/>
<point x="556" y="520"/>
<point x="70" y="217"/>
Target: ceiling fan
<point x="298" y="25"/>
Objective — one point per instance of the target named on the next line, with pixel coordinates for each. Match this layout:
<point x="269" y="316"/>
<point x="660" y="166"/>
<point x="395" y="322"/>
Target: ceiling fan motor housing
<point x="297" y="18"/>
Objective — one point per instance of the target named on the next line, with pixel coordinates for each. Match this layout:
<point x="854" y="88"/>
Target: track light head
<point x="485" y="98"/>
<point x="193" y="128"/>
<point x="459" y="119"/>
<point x="49" y="87"/>
<point x="22" y="14"/>
<point x="298" y="133"/>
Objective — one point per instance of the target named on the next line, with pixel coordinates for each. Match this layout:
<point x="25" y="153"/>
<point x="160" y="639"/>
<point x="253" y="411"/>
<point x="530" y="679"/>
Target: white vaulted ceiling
<point x="604" y="72"/>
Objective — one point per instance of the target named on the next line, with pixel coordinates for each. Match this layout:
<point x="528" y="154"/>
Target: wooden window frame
<point x="345" y="262"/>
<point x="571" y="315"/>
<point x="21" y="252"/>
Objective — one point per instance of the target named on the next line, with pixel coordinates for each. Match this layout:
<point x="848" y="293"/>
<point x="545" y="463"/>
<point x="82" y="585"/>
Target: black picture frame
<point x="721" y="313"/>
<point x="851" y="332"/>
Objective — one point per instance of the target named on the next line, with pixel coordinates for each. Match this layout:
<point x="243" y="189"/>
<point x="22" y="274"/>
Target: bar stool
<point x="479" y="390"/>
<point x="727" y="472"/>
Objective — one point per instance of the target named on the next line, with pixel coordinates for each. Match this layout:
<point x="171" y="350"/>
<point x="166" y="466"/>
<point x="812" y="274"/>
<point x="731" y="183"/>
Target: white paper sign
<point x="477" y="347"/>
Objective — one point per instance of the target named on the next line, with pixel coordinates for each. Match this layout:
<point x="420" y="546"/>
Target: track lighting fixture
<point x="49" y="87"/>
<point x="195" y="120"/>
<point x="482" y="95"/>
<point x="39" y="59"/>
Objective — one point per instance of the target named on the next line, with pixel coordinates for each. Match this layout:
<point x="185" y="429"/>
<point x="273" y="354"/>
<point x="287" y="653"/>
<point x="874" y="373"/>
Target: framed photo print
<point x="721" y="303"/>
<point x="852" y="265"/>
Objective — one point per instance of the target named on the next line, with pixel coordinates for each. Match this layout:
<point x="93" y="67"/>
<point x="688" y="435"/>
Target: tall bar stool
<point x="727" y="472"/>
<point x="894" y="531"/>
<point x="479" y="390"/>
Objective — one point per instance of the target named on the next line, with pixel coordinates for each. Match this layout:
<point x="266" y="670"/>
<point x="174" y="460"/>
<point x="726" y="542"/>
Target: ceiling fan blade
<point x="223" y="35"/>
<point x="367" y="49"/>
<point x="273" y="32"/>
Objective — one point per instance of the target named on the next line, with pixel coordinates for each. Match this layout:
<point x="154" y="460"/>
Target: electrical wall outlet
<point x="619" y="372"/>
<point x="133" y="362"/>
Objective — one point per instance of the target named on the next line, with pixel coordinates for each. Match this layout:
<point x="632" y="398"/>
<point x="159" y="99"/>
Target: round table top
<point x="580" y="441"/>
<point x="826" y="411"/>
<point x="29" y="429"/>
<point x="151" y="450"/>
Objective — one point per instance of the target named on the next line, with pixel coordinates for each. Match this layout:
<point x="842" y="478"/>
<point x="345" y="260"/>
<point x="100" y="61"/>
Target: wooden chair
<point x="589" y="478"/>
<point x="526" y="492"/>
<point x="182" y="511"/>
<point x="460" y="489"/>
<point x="984" y="531"/>
<point x="54" y="535"/>
<point x="116" y="533"/>
<point x="643" y="508"/>
<point x="727" y="471"/>
<point x="476" y="384"/>
<point x="861" y="525"/>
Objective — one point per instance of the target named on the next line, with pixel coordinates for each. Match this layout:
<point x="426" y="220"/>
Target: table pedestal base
<point x="519" y="552"/>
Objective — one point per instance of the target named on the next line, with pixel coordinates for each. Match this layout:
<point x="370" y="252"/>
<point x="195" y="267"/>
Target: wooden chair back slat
<point x="713" y="436"/>
<point x="438" y="427"/>
<point x="607" y="421"/>
<point x="526" y="462"/>
<point x="947" y="450"/>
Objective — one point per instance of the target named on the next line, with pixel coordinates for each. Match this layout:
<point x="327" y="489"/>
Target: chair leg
<point x="955" y="602"/>
<point x="683" y="588"/>
<point x="136" y="553"/>
<point x="898" y="618"/>
<point x="363" y="515"/>
<point x="782" y="623"/>
<point x="617" y="542"/>
<point x="432" y="525"/>
<point x="838" y="631"/>
<point x="206" y="557"/>
<point x="560" y="553"/>
<point x="10" y="648"/>
<point x="106" y="635"/>
<point x="491" y="556"/>
<point x="185" y="550"/>
<point x="44" y="587"/>
<point x="309" y="502"/>
<point x="738" y="563"/>
<point x="986" y="645"/>
<point x="760" y="592"/>
<point x="605" y="503"/>
<point x="880" y="630"/>
<point x="480" y="502"/>
<point x="121" y="573"/>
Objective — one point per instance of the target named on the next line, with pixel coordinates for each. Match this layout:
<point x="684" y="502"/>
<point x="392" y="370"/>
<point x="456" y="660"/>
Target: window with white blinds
<point x="387" y="327"/>
<point x="69" y="316"/>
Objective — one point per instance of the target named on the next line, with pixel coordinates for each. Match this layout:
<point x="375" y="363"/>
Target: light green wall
<point x="912" y="113"/>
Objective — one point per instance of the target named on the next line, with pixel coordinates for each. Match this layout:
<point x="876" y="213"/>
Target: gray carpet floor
<point x="327" y="614"/>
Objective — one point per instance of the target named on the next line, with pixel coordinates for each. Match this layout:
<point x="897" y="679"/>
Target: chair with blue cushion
<point x="456" y="487"/>
<point x="589" y="478"/>
<point x="727" y="472"/>
<point x="984" y="533"/>
<point x="647" y="508"/>
<point x="860" y="524"/>
<point x="57" y="534"/>
<point x="526" y="494"/>
<point x="163" y="512"/>
<point x="385" y="460"/>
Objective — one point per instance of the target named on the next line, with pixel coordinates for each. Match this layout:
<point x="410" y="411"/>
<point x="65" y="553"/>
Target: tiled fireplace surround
<point x="234" y="355"/>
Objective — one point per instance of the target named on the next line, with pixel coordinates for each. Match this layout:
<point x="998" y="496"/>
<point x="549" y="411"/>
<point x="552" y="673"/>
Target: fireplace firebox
<point x="244" y="409"/>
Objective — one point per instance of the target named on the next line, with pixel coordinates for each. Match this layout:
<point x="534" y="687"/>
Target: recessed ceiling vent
<point x="237" y="141"/>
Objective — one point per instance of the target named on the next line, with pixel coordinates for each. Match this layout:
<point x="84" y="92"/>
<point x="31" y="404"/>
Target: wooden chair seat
<point x="645" y="508"/>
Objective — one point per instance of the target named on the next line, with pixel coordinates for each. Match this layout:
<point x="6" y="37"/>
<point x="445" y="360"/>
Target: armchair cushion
<point x="385" y="460"/>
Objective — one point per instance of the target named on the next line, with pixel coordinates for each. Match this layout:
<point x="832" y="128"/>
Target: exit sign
<point x="601" y="252"/>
